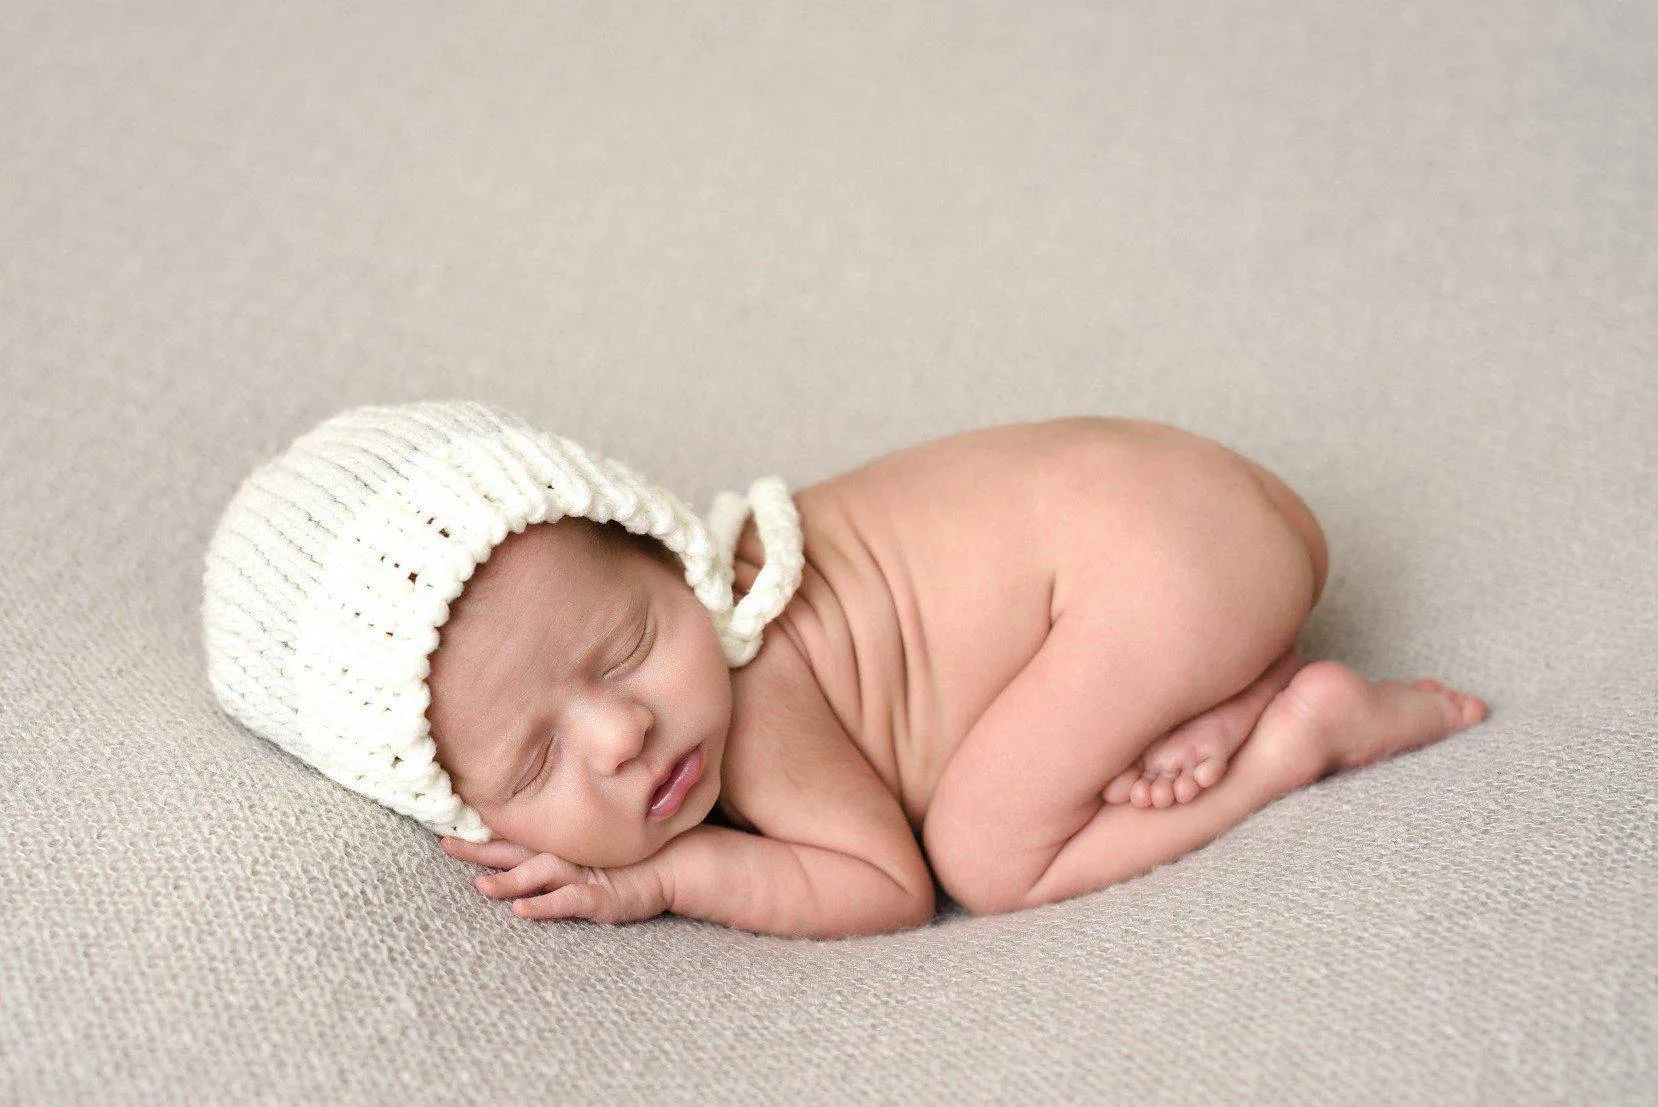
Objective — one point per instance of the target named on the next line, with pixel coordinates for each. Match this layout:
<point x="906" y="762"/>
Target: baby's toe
<point x="1471" y="709"/>
<point x="1162" y="793"/>
<point x="1140" y="793"/>
<point x="1209" y="770"/>
<point x="1186" y="789"/>
<point x="1120" y="789"/>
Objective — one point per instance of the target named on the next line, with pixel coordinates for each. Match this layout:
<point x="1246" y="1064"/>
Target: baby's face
<point x="575" y="668"/>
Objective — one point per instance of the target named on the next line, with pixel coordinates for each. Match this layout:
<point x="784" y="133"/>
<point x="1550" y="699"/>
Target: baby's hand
<point x="603" y="895"/>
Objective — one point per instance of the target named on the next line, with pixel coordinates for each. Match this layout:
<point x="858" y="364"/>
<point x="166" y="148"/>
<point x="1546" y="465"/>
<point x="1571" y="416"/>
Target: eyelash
<point x="644" y="640"/>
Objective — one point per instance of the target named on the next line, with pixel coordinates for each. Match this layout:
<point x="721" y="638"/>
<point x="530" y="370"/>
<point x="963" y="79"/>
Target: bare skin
<point x="1178" y="766"/>
<point x="575" y="669"/>
<point x="1062" y="652"/>
<point x="1193" y="756"/>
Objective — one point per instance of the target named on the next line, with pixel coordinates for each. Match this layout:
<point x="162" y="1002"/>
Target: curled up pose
<point x="1017" y="664"/>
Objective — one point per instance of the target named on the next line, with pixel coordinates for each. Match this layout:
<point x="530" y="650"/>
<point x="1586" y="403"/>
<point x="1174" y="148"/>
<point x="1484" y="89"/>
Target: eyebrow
<point x="527" y="739"/>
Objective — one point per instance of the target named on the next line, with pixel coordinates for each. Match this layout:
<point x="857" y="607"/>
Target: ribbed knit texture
<point x="335" y="563"/>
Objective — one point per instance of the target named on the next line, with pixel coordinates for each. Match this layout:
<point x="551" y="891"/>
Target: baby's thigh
<point x="1179" y="617"/>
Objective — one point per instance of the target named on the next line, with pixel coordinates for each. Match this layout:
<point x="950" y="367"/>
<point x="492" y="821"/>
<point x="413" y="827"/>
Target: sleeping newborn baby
<point x="1019" y="664"/>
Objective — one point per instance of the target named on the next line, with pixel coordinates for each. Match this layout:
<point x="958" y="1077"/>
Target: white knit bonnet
<point x="336" y="562"/>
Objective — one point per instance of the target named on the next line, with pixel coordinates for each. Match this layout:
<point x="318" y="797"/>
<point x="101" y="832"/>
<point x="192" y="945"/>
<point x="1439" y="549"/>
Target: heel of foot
<point x="1325" y="695"/>
<point x="1313" y="722"/>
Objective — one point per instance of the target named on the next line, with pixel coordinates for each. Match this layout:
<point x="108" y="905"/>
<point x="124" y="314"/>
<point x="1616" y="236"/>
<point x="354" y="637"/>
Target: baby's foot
<point x="1194" y="755"/>
<point x="1348" y="721"/>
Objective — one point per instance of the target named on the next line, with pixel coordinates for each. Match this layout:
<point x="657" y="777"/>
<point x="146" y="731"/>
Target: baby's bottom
<point x="1031" y="808"/>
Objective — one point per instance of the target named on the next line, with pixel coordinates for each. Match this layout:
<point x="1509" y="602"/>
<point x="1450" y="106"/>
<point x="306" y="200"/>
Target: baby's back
<point x="929" y="584"/>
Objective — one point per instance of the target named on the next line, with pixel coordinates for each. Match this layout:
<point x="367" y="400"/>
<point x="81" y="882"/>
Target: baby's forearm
<point x="774" y="887"/>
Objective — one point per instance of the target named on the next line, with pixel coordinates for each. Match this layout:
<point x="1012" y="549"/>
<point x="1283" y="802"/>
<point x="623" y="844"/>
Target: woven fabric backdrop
<point x="1404" y="255"/>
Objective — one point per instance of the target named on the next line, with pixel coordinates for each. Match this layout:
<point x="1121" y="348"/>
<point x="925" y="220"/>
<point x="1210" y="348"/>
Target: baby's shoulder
<point x="781" y="720"/>
<point x="791" y="770"/>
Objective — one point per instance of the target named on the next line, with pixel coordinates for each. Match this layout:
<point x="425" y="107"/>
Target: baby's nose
<point x="614" y="731"/>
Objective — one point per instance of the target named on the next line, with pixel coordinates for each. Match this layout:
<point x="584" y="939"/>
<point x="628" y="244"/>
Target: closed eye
<point x="647" y="639"/>
<point x="535" y="774"/>
<point x="640" y="652"/>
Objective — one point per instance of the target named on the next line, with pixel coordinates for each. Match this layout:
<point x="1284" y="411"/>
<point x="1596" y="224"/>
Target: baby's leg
<point x="1124" y="664"/>
<point x="1329" y="718"/>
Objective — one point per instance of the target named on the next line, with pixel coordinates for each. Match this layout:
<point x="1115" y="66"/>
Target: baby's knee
<point x="975" y="866"/>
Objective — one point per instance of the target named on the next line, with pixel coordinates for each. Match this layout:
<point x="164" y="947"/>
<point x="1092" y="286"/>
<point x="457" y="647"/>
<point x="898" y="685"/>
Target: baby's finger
<point x="567" y="902"/>
<point x="497" y="854"/>
<point x="543" y="871"/>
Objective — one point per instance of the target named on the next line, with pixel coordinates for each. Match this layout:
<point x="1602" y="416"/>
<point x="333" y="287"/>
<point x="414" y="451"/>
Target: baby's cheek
<point x="599" y="844"/>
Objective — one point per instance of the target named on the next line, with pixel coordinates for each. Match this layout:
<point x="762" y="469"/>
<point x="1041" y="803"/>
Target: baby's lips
<point x="671" y="794"/>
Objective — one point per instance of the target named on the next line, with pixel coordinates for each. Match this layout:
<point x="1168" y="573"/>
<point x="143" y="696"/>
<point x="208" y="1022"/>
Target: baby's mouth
<point x="681" y="779"/>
